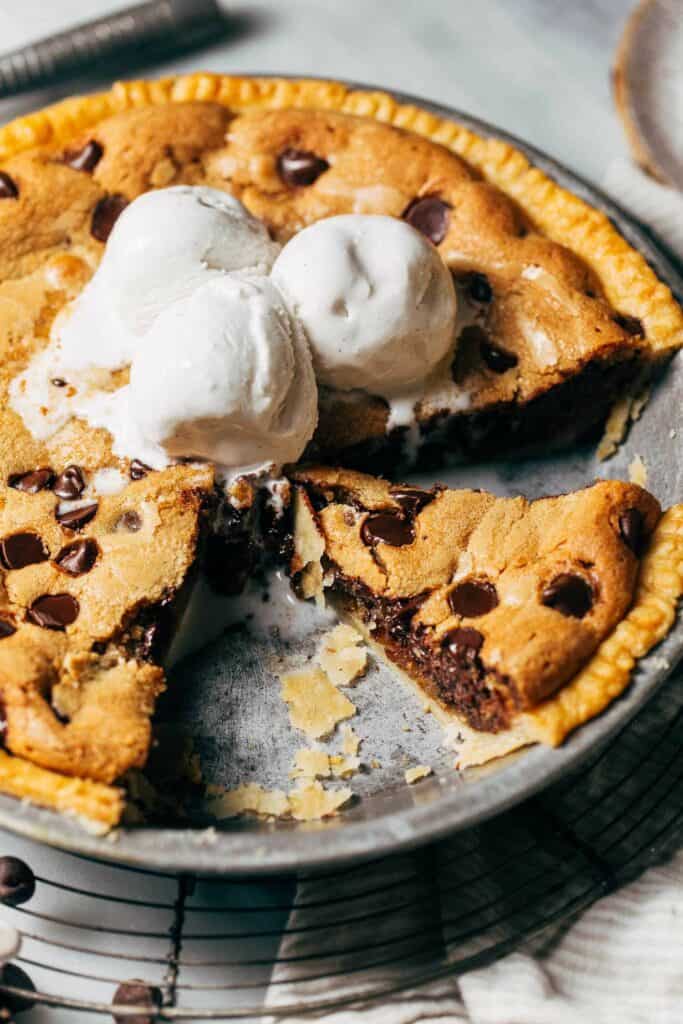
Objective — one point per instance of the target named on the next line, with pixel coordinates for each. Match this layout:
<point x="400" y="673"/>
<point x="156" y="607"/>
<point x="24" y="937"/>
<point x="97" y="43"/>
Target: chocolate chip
<point x="58" y="382"/>
<point x="477" y="287"/>
<point x="300" y="166"/>
<point x="77" y="558"/>
<point x="429" y="215"/>
<point x="497" y="359"/>
<point x="400" y="616"/>
<point x="138" y="469"/>
<point x="105" y="215"/>
<point x="7" y="628"/>
<point x="136" y="993"/>
<point x="569" y="594"/>
<point x="15" y="977"/>
<point x="464" y="643"/>
<point x="632" y="529"/>
<point x="53" y="611"/>
<point x="473" y="598"/>
<point x="77" y="518"/>
<point x="411" y="499"/>
<point x="69" y="484"/>
<point x="130" y="521"/>
<point x="17" y="881"/>
<point x="392" y="528"/>
<point x="85" y="159"/>
<point x="631" y="324"/>
<point x="33" y="481"/>
<point x="8" y="188"/>
<point x="20" y="549"/>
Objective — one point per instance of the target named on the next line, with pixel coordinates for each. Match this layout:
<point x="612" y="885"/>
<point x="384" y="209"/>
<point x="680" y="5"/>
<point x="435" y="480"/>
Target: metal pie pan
<point x="236" y="716"/>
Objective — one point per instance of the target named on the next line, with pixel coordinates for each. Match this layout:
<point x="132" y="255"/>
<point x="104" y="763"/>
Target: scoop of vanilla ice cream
<point x="164" y="245"/>
<point x="375" y="298"/>
<point x="226" y="375"/>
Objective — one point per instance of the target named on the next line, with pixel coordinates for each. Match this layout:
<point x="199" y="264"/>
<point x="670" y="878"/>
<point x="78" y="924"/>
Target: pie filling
<point x="452" y="672"/>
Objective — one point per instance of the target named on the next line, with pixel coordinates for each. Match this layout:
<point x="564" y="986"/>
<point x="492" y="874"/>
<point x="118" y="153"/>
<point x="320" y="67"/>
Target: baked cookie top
<point x="547" y="287"/>
<point x="528" y="588"/>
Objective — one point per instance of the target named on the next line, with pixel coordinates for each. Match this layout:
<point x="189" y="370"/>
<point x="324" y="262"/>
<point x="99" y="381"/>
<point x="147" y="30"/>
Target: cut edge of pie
<point x="331" y="507"/>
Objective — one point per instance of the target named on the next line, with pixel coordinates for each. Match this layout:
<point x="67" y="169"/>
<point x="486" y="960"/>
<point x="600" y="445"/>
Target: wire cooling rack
<point x="222" y="949"/>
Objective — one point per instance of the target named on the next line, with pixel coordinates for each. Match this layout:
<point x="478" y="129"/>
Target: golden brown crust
<point x="97" y="806"/>
<point x="516" y="550"/>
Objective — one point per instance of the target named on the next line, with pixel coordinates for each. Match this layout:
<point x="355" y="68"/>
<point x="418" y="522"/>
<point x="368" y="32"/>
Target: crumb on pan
<point x="340" y="656"/>
<point x="637" y="471"/>
<point x="420" y="771"/>
<point x="315" y="703"/>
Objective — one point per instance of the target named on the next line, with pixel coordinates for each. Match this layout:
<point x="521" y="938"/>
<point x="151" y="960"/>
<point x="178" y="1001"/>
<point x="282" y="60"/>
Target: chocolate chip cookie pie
<point x="516" y="621"/>
<point x="556" y="313"/>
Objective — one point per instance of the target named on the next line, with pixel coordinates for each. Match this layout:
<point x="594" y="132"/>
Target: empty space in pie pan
<point x="228" y="699"/>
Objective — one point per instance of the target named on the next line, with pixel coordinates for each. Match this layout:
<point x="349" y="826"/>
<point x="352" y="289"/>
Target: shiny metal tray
<point x="227" y="696"/>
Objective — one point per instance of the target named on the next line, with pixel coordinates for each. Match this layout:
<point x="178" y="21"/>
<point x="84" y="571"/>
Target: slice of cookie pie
<point x="515" y="620"/>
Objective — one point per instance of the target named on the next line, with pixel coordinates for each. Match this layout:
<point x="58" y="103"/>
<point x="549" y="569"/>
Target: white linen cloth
<point x="621" y="962"/>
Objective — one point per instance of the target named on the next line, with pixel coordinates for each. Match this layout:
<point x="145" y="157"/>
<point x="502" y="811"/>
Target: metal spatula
<point x="161" y="28"/>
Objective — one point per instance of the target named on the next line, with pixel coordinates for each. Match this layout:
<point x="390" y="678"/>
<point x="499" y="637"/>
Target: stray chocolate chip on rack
<point x="21" y="549"/>
<point x="300" y="167"/>
<point x="136" y="993"/>
<point x="15" y="977"/>
<point x="53" y="611"/>
<point x="430" y="216"/>
<point x="105" y="215"/>
<point x="17" y="881"/>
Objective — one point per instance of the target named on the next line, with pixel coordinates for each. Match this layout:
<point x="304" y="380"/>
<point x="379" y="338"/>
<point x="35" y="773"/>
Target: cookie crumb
<point x="420" y="771"/>
<point x="340" y="656"/>
<point x="350" y="741"/>
<point x="311" y="764"/>
<point x="344" y="767"/>
<point x="625" y="411"/>
<point x="247" y="798"/>
<point x="310" y="801"/>
<point x="315" y="703"/>
<point x="637" y="471"/>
